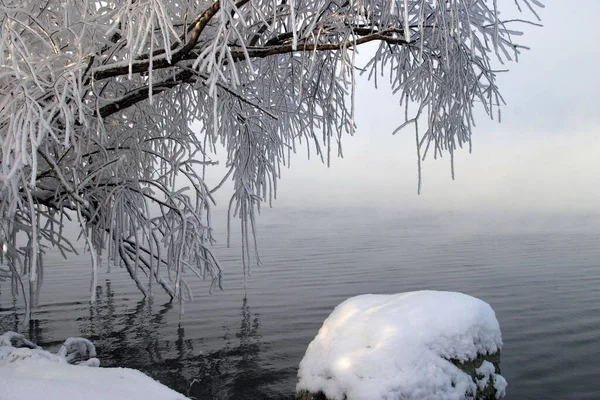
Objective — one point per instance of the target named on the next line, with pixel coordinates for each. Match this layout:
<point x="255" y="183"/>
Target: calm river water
<point x="541" y="276"/>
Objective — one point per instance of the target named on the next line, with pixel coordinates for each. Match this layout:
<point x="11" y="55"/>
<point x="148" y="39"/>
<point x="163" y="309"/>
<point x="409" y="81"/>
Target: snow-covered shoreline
<point x="31" y="373"/>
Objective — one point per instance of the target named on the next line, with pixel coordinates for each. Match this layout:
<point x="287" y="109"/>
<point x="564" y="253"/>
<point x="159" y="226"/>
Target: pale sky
<point x="543" y="157"/>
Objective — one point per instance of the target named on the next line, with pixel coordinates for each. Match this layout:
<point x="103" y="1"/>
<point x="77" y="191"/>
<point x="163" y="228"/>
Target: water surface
<point x="541" y="276"/>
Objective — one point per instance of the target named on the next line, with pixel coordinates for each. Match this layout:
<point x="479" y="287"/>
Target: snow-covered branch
<point x="98" y="99"/>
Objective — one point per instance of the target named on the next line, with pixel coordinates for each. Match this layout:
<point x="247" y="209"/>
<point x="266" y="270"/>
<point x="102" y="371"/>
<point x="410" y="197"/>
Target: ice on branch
<point x="111" y="113"/>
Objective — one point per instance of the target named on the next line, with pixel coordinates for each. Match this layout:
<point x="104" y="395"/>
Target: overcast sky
<point x="543" y="157"/>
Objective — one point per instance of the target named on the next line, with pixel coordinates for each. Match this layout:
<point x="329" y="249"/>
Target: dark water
<point x="541" y="276"/>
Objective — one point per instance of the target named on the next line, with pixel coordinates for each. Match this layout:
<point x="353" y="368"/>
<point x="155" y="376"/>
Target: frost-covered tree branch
<point x="108" y="106"/>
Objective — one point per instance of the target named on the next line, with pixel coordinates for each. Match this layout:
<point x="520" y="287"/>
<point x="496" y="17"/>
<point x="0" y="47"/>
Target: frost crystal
<point x="111" y="112"/>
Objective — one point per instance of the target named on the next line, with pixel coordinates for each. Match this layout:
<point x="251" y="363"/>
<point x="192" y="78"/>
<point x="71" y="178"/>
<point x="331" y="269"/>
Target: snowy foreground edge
<point x="404" y="346"/>
<point x="29" y="372"/>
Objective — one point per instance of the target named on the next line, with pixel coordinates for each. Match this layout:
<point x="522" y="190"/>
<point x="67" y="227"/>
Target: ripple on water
<point x="544" y="286"/>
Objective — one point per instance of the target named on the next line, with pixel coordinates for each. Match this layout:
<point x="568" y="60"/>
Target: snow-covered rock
<point x="31" y="373"/>
<point x="404" y="346"/>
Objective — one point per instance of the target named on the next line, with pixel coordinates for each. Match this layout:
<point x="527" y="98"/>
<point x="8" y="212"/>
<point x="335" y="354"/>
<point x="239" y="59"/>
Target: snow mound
<point x="31" y="373"/>
<point x="392" y="347"/>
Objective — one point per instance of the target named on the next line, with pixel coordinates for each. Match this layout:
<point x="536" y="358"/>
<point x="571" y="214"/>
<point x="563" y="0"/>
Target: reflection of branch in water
<point x="9" y="318"/>
<point x="132" y="338"/>
<point x="125" y="336"/>
<point x="137" y="336"/>
<point x="235" y="372"/>
<point x="9" y="321"/>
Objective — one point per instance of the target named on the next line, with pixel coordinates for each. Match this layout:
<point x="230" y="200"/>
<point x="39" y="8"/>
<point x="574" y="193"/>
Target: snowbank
<point x="399" y="346"/>
<point x="32" y="373"/>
